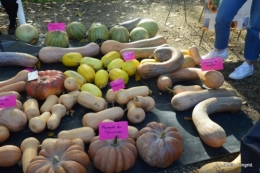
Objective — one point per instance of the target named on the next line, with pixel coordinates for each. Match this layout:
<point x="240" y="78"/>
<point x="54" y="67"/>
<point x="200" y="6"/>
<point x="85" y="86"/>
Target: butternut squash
<point x="188" y="99"/>
<point x="188" y="62"/>
<point x="20" y="76"/>
<point x="111" y="96"/>
<point x="17" y="86"/>
<point x="10" y="155"/>
<point x="50" y="54"/>
<point x="31" y="108"/>
<point x="29" y="148"/>
<point x="170" y="59"/>
<point x="19" y="104"/>
<point x="48" y="103"/>
<point x="4" y="133"/>
<point x="194" y="53"/>
<point x="210" y="132"/>
<point x="69" y="100"/>
<point x="38" y="124"/>
<point x="147" y="102"/>
<point x="71" y="84"/>
<point x="90" y="101"/>
<point x="58" y="111"/>
<point x="51" y="141"/>
<point x="124" y="95"/>
<point x="112" y="45"/>
<point x="7" y="93"/>
<point x="84" y="133"/>
<point x="17" y="59"/>
<point x="181" y="88"/>
<point x="135" y="114"/>
<point x="93" y="119"/>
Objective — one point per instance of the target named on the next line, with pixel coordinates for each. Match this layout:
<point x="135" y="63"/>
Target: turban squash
<point x="63" y="156"/>
<point x="158" y="145"/>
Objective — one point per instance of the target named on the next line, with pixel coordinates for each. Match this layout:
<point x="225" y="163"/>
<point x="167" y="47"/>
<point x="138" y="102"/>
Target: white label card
<point x="33" y="75"/>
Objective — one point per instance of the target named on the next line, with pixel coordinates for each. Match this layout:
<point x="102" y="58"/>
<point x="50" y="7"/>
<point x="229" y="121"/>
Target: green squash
<point x="27" y="33"/>
<point x="119" y="33"/>
<point x="138" y="33"/>
<point x="76" y="31"/>
<point x="150" y="25"/>
<point x="56" y="39"/>
<point x="98" y="31"/>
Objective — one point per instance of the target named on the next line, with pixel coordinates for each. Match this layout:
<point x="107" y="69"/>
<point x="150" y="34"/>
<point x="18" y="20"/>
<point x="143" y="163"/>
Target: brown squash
<point x="63" y="156"/>
<point x="158" y="145"/>
<point x="181" y="88"/>
<point x="20" y="76"/>
<point x="10" y="155"/>
<point x="194" y="53"/>
<point x="188" y="62"/>
<point x="135" y="114"/>
<point x="4" y="133"/>
<point x="147" y="102"/>
<point x="115" y="155"/>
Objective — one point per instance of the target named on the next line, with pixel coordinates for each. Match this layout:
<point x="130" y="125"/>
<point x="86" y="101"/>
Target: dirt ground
<point x="179" y="23"/>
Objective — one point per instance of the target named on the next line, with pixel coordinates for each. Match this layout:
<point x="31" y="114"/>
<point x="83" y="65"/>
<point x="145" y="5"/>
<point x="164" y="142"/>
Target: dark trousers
<point x="11" y="8"/>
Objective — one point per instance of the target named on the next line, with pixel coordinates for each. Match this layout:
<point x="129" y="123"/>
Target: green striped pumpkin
<point x="56" y="39"/>
<point x="76" y="31"/>
<point x="97" y="31"/>
<point x="119" y="33"/>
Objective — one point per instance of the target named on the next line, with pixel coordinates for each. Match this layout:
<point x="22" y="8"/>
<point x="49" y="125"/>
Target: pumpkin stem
<point x="55" y="159"/>
<point x="115" y="141"/>
<point x="162" y="135"/>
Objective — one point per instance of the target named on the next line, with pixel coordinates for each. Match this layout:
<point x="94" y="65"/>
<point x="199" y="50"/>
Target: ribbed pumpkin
<point x="119" y="33"/>
<point x="115" y="155"/>
<point x="56" y="39"/>
<point x="27" y="33"/>
<point x="158" y="145"/>
<point x="76" y="31"/>
<point x="138" y="33"/>
<point x="98" y="31"/>
<point x="150" y="25"/>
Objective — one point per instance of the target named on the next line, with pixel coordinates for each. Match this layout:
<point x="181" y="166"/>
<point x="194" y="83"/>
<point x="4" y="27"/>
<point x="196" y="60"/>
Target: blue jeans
<point x="225" y="14"/>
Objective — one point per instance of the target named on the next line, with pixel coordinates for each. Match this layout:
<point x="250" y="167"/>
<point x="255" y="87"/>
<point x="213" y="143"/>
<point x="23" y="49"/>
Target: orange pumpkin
<point x="63" y="156"/>
<point x="158" y="145"/>
<point x="114" y="155"/>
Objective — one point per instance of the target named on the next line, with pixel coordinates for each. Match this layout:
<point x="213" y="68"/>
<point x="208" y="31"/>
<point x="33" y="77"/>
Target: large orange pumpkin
<point x="114" y="155"/>
<point x="63" y="156"/>
<point x="158" y="145"/>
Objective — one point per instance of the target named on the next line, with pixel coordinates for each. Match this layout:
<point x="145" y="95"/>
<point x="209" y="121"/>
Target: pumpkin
<point x="27" y="33"/>
<point x="56" y="39"/>
<point x="138" y="33"/>
<point x="115" y="155"/>
<point x="158" y="145"/>
<point x="150" y="25"/>
<point x="62" y="156"/>
<point x="98" y="31"/>
<point x="119" y="33"/>
<point x="76" y="31"/>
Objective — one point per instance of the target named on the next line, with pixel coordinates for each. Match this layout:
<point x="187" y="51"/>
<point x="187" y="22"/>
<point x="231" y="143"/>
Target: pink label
<point x="129" y="55"/>
<point x="211" y="64"/>
<point x="117" y="84"/>
<point x="7" y="101"/>
<point x="108" y="130"/>
<point x="56" y="27"/>
<point x="29" y="69"/>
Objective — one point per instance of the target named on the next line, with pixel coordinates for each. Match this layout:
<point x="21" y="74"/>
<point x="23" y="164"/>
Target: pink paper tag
<point x="7" y="101"/>
<point x="117" y="84"/>
<point x="211" y="64"/>
<point x="29" y="69"/>
<point x="56" y="27"/>
<point x="108" y="130"/>
<point x="129" y="55"/>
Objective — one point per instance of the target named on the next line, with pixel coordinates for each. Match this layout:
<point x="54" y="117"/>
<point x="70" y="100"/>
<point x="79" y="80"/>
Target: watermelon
<point x="56" y="39"/>
<point x="138" y="33"/>
<point x="150" y="25"/>
<point x="119" y="33"/>
<point x="98" y="31"/>
<point x="76" y="31"/>
<point x="27" y="33"/>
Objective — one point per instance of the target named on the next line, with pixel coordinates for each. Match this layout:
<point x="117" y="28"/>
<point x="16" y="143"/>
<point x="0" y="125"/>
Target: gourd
<point x="170" y="59"/>
<point x="110" y="56"/>
<point x="116" y="63"/>
<point x="111" y="96"/>
<point x="87" y="72"/>
<point x="17" y="86"/>
<point x="188" y="62"/>
<point x="84" y="133"/>
<point x="18" y="59"/>
<point x="71" y="84"/>
<point x="112" y="45"/>
<point x="71" y="59"/>
<point x="38" y="124"/>
<point x="95" y="63"/>
<point x="76" y="31"/>
<point x="4" y="133"/>
<point x="107" y="155"/>
<point x="93" y="89"/>
<point x="93" y="119"/>
<point x="135" y="114"/>
<point x="10" y="155"/>
<point x="130" y="67"/>
<point x="69" y="100"/>
<point x="62" y="156"/>
<point x="154" y="141"/>
<point x="27" y="33"/>
<point x="58" y="111"/>
<point x="130" y="24"/>
<point x="101" y="78"/>
<point x="48" y="103"/>
<point x="194" y="53"/>
<point x="8" y="93"/>
<point x="90" y="101"/>
<point x="31" y="108"/>
<point x="56" y="39"/>
<point x="29" y="148"/>
<point x="20" y="76"/>
<point x="78" y="77"/>
<point x="181" y="88"/>
<point x="117" y="73"/>
<point x="188" y="99"/>
<point x="147" y="102"/>
<point x="51" y="141"/>
<point x="210" y="132"/>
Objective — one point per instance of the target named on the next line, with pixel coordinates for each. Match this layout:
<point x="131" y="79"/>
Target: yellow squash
<point x="130" y="67"/>
<point x="93" y="89"/>
<point x="116" y="63"/>
<point x="95" y="63"/>
<point x="71" y="59"/>
<point x="101" y="78"/>
<point x="87" y="72"/>
<point x="107" y="58"/>
<point x="79" y="78"/>
<point x="117" y="73"/>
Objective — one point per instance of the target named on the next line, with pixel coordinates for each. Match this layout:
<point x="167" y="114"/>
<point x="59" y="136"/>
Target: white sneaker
<point x="242" y="71"/>
<point x="223" y="54"/>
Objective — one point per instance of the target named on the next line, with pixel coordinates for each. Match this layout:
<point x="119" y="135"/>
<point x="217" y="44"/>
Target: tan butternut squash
<point x="93" y="119"/>
<point x="90" y="101"/>
<point x="10" y="155"/>
<point x="7" y="93"/>
<point x="19" y="104"/>
<point x="17" y="59"/>
<point x="111" y="96"/>
<point x="20" y="76"/>
<point x="210" y="132"/>
<point x="84" y="133"/>
<point x="69" y="100"/>
<point x="58" y="111"/>
<point x="112" y="45"/>
<point x="188" y="62"/>
<point x="48" y="103"/>
<point x="17" y="86"/>
<point x="188" y="99"/>
<point x="135" y="114"/>
<point x="71" y="84"/>
<point x="181" y="88"/>
<point x="4" y="133"/>
<point x="38" y="124"/>
<point x="147" y="102"/>
<point x="29" y="148"/>
<point x="31" y="108"/>
<point x="194" y="53"/>
<point x="51" y="141"/>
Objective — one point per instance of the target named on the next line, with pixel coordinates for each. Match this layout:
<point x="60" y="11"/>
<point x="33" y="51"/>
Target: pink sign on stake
<point x="129" y="55"/>
<point x="211" y="64"/>
<point x="108" y="130"/>
<point x="117" y="84"/>
<point x="7" y="101"/>
<point x="56" y="26"/>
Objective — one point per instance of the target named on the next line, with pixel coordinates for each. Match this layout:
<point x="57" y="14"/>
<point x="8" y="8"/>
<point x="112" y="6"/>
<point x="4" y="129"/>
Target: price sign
<point x="211" y="64"/>
<point x="117" y="84"/>
<point x="129" y="55"/>
<point x="7" y="101"/>
<point x="108" y="130"/>
<point x="33" y="75"/>
<point x="56" y="27"/>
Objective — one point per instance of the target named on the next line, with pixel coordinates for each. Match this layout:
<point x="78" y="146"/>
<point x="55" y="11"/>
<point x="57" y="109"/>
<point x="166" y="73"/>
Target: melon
<point x="98" y="31"/>
<point x="150" y="25"/>
<point x="56" y="39"/>
<point x="138" y="33"/>
<point x="119" y="33"/>
<point x="76" y="31"/>
<point x="27" y="33"/>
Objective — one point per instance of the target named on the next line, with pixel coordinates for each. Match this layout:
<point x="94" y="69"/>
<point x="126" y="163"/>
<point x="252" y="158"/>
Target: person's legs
<point x="11" y="8"/>
<point x="252" y="44"/>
